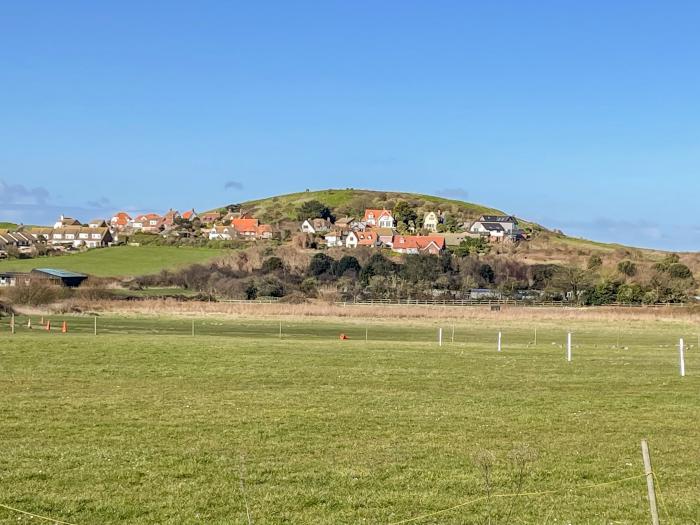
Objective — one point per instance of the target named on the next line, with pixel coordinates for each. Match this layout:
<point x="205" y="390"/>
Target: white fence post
<point x="568" y="347"/>
<point x="440" y="337"/>
<point x="681" y="348"/>
<point x="499" y="341"/>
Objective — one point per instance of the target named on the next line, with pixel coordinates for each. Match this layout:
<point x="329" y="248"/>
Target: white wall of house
<point x="307" y="227"/>
<point x="430" y="221"/>
<point x="351" y="240"/>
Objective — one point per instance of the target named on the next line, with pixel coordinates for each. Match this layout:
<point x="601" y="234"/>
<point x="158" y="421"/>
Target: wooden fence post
<point x="649" y="473"/>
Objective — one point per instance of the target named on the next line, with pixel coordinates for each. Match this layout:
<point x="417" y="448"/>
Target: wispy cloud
<point x="453" y="193"/>
<point x="101" y="203"/>
<point x="18" y="194"/>
<point x="233" y="185"/>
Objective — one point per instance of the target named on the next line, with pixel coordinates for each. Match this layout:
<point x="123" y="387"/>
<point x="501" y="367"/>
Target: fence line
<point x="512" y="495"/>
<point x="494" y="302"/>
<point x="45" y="518"/>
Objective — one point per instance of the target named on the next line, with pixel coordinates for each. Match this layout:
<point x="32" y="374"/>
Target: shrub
<point x="679" y="271"/>
<point x="272" y="264"/>
<point x="346" y="264"/>
<point x="627" y="268"/>
<point x="594" y="262"/>
<point x="36" y="293"/>
<point x="320" y="264"/>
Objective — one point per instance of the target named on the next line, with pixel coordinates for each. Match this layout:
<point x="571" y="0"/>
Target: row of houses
<point x="245" y="227"/>
<point x="376" y="228"/>
<point x="490" y="225"/>
<point x="156" y="223"/>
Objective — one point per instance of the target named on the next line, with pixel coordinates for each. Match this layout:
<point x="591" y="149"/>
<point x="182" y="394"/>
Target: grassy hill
<point x="353" y="202"/>
<point x="118" y="261"/>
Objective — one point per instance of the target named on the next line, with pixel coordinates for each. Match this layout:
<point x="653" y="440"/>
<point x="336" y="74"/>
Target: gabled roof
<point x="366" y="238"/>
<point x="419" y="242"/>
<point x="497" y="218"/>
<point x="68" y="221"/>
<point x="376" y="214"/>
<point x="148" y="217"/>
<point x="245" y="225"/>
<point x="189" y="214"/>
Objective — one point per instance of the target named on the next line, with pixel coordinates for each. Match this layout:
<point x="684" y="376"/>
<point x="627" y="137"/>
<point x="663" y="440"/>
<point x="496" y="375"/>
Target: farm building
<point x="62" y="277"/>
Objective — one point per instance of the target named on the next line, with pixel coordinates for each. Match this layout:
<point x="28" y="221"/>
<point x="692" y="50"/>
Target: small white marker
<point x="681" y="348"/>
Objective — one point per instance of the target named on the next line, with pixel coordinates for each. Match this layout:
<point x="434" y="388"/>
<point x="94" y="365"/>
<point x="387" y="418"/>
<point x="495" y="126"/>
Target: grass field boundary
<point x="45" y="518"/>
<point x="514" y="495"/>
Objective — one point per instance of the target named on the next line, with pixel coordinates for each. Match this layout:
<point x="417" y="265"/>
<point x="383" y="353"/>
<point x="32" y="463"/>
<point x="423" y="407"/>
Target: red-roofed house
<point x="378" y="218"/>
<point x="121" y="221"/>
<point x="168" y="220"/>
<point x="432" y="244"/>
<point x="246" y="227"/>
<point x="210" y="217"/>
<point x="147" y="222"/>
<point x="366" y="238"/>
<point x="264" y="231"/>
<point x="190" y="215"/>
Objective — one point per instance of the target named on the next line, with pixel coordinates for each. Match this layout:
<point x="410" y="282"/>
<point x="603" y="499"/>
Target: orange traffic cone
<point x="64" y="328"/>
<point x="29" y="323"/>
<point x="48" y="325"/>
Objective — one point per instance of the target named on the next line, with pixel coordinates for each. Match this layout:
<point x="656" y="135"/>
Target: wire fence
<point x="396" y="330"/>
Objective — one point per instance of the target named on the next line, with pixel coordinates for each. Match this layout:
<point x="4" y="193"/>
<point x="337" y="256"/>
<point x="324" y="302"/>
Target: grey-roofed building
<point x="63" y="277"/>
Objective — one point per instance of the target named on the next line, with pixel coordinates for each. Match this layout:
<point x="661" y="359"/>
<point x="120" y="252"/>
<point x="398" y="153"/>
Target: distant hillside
<point x="353" y="202"/>
<point x="545" y="246"/>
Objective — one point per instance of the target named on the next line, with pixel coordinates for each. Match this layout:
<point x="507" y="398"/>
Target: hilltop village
<point x="376" y="228"/>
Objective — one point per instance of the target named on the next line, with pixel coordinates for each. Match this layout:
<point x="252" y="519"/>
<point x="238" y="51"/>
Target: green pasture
<point x="118" y="261"/>
<point x="145" y="423"/>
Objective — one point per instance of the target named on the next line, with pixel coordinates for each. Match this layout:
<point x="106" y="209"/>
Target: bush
<point x="272" y="264"/>
<point x="346" y="264"/>
<point x="594" y="262"/>
<point x="36" y="293"/>
<point x="627" y="268"/>
<point x="679" y="271"/>
<point x="320" y="264"/>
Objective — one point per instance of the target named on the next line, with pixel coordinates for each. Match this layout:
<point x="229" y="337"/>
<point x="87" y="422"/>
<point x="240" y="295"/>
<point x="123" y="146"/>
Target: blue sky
<point x="584" y="116"/>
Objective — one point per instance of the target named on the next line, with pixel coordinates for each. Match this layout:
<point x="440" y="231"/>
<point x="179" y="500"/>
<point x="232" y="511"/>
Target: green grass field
<point x="118" y="261"/>
<point x="146" y="424"/>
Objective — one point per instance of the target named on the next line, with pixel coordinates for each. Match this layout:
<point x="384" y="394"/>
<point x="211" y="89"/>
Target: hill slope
<point x="545" y="246"/>
<point x="353" y="202"/>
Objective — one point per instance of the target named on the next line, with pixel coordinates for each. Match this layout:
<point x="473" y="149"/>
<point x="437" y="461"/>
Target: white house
<point x="75" y="236"/>
<point x="492" y="229"/>
<point x="351" y="240"/>
<point x="64" y="221"/>
<point x="221" y="233"/>
<point x="379" y="218"/>
<point x="431" y="221"/>
<point x="493" y="224"/>
<point x="334" y="238"/>
<point x="315" y="225"/>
